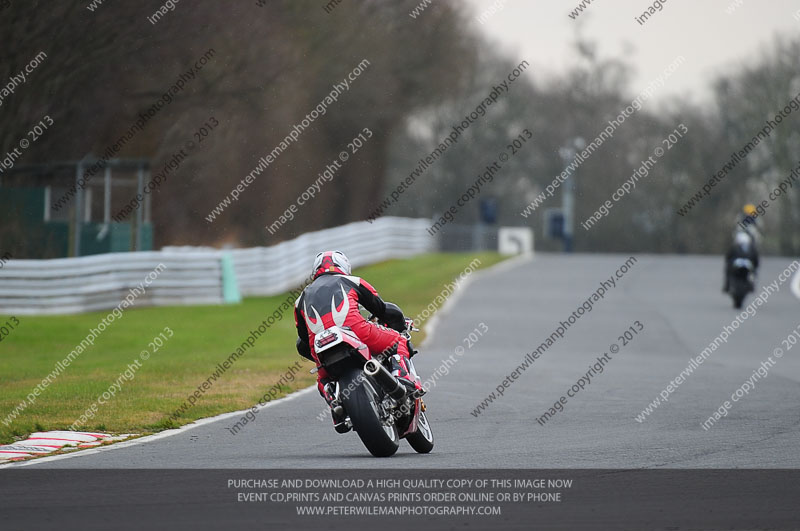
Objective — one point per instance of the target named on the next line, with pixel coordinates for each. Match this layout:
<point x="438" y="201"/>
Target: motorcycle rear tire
<point x="361" y="405"/>
<point x="739" y="290"/>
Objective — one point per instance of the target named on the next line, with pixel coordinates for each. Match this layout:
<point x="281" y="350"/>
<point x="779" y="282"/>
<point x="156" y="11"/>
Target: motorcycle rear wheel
<point x="739" y="292"/>
<point x="380" y="437"/>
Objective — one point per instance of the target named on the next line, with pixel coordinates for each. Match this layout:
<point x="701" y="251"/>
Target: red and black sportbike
<point x="381" y="408"/>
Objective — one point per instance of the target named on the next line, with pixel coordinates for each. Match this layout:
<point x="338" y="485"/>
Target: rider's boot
<point x="328" y="392"/>
<point x="400" y="371"/>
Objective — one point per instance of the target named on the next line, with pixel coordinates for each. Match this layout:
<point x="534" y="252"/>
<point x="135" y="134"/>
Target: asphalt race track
<point x="678" y="302"/>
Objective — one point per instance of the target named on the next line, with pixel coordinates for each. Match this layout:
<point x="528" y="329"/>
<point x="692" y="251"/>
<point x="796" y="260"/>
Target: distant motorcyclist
<point x="743" y="246"/>
<point x="332" y="299"/>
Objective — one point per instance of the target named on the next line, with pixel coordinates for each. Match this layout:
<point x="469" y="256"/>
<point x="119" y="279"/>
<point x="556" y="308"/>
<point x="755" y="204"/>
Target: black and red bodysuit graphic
<point x="332" y="299"/>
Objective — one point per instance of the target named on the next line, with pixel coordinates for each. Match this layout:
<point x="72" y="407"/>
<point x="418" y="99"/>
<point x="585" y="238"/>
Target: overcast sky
<point x="711" y="40"/>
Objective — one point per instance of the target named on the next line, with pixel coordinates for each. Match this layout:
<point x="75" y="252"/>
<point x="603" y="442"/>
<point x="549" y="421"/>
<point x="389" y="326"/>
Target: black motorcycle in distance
<point x="741" y="280"/>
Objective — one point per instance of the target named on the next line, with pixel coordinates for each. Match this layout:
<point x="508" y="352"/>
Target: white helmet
<point x="331" y="262"/>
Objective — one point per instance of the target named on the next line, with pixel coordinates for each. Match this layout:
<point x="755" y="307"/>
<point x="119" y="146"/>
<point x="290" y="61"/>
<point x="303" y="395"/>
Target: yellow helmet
<point x="749" y="209"/>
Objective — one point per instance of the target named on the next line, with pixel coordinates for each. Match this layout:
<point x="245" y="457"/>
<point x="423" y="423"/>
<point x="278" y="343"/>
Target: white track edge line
<point x="160" y="435"/>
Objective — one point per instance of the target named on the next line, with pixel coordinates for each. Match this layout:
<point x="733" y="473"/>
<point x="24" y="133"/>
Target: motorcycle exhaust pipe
<point x="384" y="379"/>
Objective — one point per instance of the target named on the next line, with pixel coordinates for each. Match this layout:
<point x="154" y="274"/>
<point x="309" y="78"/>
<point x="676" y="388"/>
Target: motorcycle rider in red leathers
<point x="332" y="299"/>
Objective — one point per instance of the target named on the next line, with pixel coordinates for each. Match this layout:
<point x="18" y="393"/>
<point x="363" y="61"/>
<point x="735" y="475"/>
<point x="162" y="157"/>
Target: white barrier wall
<point x="194" y="275"/>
